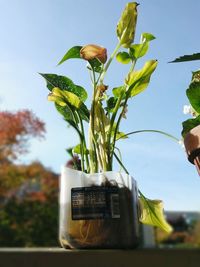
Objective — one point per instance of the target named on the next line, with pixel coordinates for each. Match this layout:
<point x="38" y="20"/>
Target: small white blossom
<point x="187" y="109"/>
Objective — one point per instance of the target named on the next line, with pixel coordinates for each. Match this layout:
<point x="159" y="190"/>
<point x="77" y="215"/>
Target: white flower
<point x="187" y="109"/>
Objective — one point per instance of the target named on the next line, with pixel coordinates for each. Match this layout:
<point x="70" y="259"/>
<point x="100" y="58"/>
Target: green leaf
<point x="95" y="64"/>
<point x="127" y="24"/>
<point x="135" y="76"/>
<point x="147" y="37"/>
<point x="140" y="86"/>
<point x="73" y="52"/>
<point x="139" y="80"/>
<point x="193" y="94"/>
<point x="196" y="76"/>
<point x="139" y="50"/>
<point x="61" y="97"/>
<point x="69" y="151"/>
<point x="192" y="57"/>
<point x="54" y="80"/>
<point x="77" y="150"/>
<point x="151" y="213"/>
<point x="189" y="125"/>
<point x="80" y="92"/>
<point x="84" y="112"/>
<point x="123" y="57"/>
<point x="64" y="83"/>
<point x="118" y="91"/>
<point x="73" y="102"/>
<point x="66" y="112"/>
<point x="111" y="102"/>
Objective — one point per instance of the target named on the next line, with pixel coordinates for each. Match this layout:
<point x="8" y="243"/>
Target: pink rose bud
<point x="92" y="51"/>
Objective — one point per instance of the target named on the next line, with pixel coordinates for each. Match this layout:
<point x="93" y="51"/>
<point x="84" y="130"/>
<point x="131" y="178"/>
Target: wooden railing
<point x="57" y="257"/>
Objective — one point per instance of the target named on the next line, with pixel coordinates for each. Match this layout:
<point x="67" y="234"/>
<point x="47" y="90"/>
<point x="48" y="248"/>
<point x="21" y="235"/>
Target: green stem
<point x="111" y="128"/>
<point x="132" y="66"/>
<point x="109" y="62"/>
<point x="92" y="147"/>
<point x="153" y="131"/>
<point x="102" y="137"/>
<point x="95" y="158"/>
<point x="121" y="164"/>
<point x="121" y="114"/>
<point x="95" y="99"/>
<point x="140" y="193"/>
<point x="135" y="60"/>
<point x="91" y="143"/>
<point x="84" y="143"/>
<point x="78" y="121"/>
<point x="120" y="156"/>
<point x="116" y="130"/>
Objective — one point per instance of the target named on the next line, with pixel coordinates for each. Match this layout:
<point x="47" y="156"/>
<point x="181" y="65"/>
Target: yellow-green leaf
<point x="127" y="24"/>
<point x="148" y="68"/>
<point x="72" y="99"/>
<point x="139" y="50"/>
<point x="151" y="213"/>
<point x="147" y="37"/>
<point x="141" y="86"/>
<point x="123" y="57"/>
<point x="57" y="92"/>
<point x="139" y="80"/>
<point x="77" y="149"/>
<point x="119" y="91"/>
<point x="68" y="97"/>
<point x="56" y="99"/>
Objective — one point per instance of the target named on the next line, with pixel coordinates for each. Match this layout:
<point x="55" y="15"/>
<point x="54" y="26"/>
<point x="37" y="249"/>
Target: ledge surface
<point x="57" y="257"/>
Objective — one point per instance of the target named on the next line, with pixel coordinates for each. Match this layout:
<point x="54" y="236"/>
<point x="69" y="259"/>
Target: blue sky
<point x="36" y="34"/>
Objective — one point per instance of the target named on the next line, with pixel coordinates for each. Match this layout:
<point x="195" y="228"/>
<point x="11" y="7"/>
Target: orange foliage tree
<point x="15" y="130"/>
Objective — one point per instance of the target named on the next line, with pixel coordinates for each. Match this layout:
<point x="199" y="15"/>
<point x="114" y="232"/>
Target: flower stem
<point x="109" y="149"/>
<point x="120" y="162"/>
<point x="152" y="131"/>
<point x="116" y="130"/>
<point x="78" y="120"/>
<point x="109" y="62"/>
<point x="84" y="143"/>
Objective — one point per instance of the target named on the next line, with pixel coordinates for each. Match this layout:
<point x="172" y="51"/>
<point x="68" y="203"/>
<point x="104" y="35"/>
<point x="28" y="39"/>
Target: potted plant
<point x="101" y="207"/>
<point x="191" y="127"/>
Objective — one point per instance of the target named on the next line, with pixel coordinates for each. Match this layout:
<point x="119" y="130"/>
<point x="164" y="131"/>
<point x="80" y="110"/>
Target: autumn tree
<point x="28" y="192"/>
<point x="16" y="128"/>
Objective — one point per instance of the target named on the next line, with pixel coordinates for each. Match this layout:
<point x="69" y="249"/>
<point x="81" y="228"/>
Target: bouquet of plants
<point x="97" y="148"/>
<point x="191" y="127"/>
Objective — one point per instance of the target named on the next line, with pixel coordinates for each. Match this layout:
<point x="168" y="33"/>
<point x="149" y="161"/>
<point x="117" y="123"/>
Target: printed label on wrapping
<point x="95" y="202"/>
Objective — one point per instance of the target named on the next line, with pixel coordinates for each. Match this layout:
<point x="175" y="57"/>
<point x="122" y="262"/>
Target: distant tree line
<point x="28" y="193"/>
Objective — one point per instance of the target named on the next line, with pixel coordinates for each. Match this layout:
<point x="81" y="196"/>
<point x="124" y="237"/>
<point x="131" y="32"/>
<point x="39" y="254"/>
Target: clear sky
<point x="36" y="34"/>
